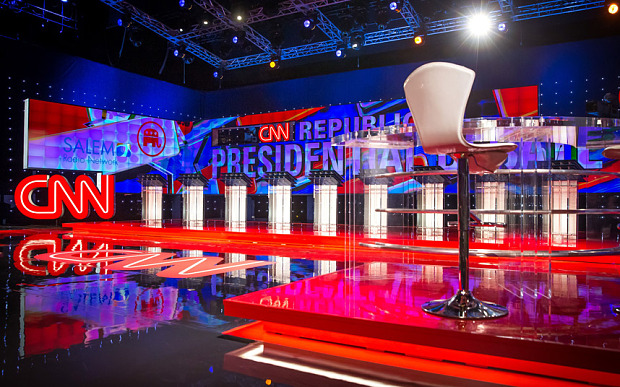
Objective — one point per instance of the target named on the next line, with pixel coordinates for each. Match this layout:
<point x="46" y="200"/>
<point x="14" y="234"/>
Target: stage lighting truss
<point x="505" y="10"/>
<point x="45" y="12"/>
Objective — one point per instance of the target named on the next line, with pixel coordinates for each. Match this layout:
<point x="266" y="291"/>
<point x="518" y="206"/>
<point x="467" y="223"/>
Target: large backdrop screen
<point x="295" y="141"/>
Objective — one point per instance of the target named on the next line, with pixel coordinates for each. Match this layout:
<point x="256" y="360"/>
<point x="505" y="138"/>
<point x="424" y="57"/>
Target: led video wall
<point x="68" y="137"/>
<point x="294" y="141"/>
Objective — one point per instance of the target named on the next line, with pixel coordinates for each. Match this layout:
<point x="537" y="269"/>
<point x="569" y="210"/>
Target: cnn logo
<point x="61" y="195"/>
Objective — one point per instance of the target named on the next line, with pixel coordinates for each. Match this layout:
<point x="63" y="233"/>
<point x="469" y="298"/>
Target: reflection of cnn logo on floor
<point x="151" y="139"/>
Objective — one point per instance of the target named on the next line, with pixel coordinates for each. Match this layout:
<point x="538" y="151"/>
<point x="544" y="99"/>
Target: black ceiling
<point x="98" y="37"/>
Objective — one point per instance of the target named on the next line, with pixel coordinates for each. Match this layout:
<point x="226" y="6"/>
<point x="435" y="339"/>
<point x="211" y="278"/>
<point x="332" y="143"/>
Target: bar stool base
<point x="464" y="306"/>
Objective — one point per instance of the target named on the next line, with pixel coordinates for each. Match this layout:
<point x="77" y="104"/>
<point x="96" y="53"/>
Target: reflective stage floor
<point x="331" y="322"/>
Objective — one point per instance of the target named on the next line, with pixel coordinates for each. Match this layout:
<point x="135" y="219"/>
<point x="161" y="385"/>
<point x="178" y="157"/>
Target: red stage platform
<point x="304" y="243"/>
<point x="560" y="325"/>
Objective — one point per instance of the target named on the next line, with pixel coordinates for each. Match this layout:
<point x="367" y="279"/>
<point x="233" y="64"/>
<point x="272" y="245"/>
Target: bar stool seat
<point x="612" y="152"/>
<point x="437" y="95"/>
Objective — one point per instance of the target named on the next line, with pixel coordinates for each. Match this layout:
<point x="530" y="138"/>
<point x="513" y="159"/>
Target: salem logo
<point x="273" y="133"/>
<point x="59" y="192"/>
<point x="186" y="267"/>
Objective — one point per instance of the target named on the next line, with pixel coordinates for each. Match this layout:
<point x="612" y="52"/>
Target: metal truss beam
<point x="322" y="21"/>
<point x="506" y="7"/>
<point x="410" y="15"/>
<point x="556" y="7"/>
<point x="171" y="35"/>
<point x="550" y="8"/>
<point x="256" y="15"/>
<point x="224" y="16"/>
<point x="40" y="12"/>
<point x="223" y="21"/>
<point x="287" y="53"/>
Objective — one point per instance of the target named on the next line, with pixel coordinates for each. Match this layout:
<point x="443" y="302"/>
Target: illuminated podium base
<point x="372" y="327"/>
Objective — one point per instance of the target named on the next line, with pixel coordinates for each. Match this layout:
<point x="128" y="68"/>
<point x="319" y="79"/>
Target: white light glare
<point x="479" y="24"/>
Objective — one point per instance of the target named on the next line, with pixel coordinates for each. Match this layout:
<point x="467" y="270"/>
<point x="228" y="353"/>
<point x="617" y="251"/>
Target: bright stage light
<point x="502" y="27"/>
<point x="418" y="40"/>
<point x="479" y="24"/>
<point x="393" y="6"/>
<point x="235" y="39"/>
<point x="612" y="8"/>
<point x="216" y="74"/>
<point x="357" y="42"/>
<point x="239" y="17"/>
<point x="340" y="53"/>
<point x="175" y="52"/>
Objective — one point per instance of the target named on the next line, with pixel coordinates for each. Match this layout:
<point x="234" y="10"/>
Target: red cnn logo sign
<point x="272" y="133"/>
<point x="60" y="192"/>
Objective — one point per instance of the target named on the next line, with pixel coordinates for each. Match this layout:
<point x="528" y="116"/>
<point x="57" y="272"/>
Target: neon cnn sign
<point x="274" y="133"/>
<point x="60" y="192"/>
<point x="185" y="267"/>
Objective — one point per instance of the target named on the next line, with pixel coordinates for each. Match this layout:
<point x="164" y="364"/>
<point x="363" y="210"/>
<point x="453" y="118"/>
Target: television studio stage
<point x="532" y="250"/>
<point x="322" y="241"/>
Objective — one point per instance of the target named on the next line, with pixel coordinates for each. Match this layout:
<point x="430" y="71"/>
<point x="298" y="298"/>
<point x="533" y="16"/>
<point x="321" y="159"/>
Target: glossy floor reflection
<point x="77" y="324"/>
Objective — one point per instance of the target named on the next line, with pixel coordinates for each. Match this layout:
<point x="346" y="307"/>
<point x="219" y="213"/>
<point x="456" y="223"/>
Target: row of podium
<point x="492" y="192"/>
<point x="236" y="190"/>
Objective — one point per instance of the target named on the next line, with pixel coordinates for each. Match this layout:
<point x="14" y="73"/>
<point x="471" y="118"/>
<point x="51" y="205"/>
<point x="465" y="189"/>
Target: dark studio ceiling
<point x="239" y="39"/>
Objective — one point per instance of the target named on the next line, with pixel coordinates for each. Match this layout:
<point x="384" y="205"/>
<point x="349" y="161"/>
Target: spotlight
<point x="307" y="34"/>
<point x="176" y="52"/>
<point x="340" y="53"/>
<point x="275" y="62"/>
<point x="612" y="8"/>
<point x="123" y="21"/>
<point x="394" y="6"/>
<point x="357" y="42"/>
<point x="188" y="58"/>
<point x="479" y="24"/>
<point x="205" y="22"/>
<point x="135" y="37"/>
<point x="218" y="74"/>
<point x="309" y="23"/>
<point x="235" y="39"/>
<point x="502" y="27"/>
<point x="182" y="3"/>
<point x="418" y="40"/>
<point x="239" y="17"/>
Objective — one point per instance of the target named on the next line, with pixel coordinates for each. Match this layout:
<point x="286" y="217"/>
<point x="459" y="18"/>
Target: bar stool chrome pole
<point x="463" y="305"/>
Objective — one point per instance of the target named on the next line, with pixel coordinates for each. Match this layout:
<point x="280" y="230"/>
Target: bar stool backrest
<point x="437" y="95"/>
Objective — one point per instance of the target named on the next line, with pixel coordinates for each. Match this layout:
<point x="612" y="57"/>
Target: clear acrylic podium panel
<point x="541" y="201"/>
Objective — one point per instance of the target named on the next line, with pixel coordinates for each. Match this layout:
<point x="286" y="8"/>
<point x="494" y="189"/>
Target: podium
<point x="193" y="199"/>
<point x="430" y="226"/>
<point x="279" y="193"/>
<point x="325" y="200"/>
<point x="152" y="199"/>
<point x="375" y="198"/>
<point x="236" y="196"/>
